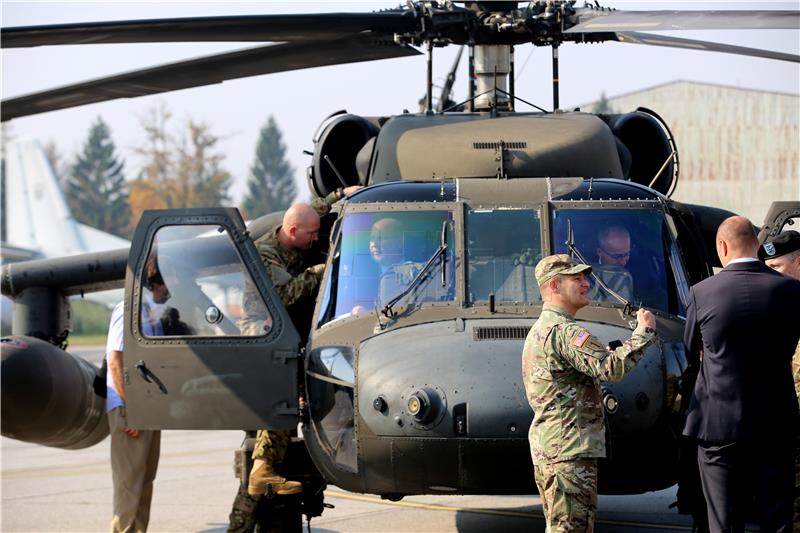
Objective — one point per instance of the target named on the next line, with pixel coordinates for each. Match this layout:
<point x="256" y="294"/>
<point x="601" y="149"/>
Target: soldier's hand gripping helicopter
<point x="409" y="382"/>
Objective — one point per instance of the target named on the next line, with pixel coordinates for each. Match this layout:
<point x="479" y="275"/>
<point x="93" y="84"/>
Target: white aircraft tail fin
<point x="37" y="217"/>
<point x="39" y="223"/>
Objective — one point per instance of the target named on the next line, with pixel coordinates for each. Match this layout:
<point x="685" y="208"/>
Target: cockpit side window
<point x="379" y="255"/>
<point x="194" y="284"/>
<point x="503" y="247"/>
<point x="631" y="250"/>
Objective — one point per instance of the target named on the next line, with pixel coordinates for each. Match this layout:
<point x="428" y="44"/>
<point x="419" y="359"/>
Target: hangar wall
<point x="739" y="148"/>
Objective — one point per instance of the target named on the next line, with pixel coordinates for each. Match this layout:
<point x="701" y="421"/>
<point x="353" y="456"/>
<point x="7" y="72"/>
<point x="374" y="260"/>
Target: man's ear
<point x="553" y="284"/>
<point x="722" y="250"/>
<point x="291" y="230"/>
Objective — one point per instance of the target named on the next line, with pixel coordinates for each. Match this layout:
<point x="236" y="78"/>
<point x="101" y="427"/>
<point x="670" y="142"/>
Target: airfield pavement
<point x="51" y="490"/>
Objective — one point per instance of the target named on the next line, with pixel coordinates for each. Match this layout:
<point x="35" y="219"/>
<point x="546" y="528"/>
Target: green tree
<point x="271" y="185"/>
<point x="96" y="188"/>
<point x="57" y="164"/>
<point x="603" y="106"/>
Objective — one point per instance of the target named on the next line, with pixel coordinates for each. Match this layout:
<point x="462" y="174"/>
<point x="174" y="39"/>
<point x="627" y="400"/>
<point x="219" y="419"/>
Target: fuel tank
<point x="48" y="396"/>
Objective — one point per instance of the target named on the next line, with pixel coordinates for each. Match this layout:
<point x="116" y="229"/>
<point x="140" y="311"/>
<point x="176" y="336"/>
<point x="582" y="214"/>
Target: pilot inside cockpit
<point x="386" y="243"/>
<point x="630" y="249"/>
<point x="613" y="253"/>
<point x="387" y="247"/>
<point x="385" y="251"/>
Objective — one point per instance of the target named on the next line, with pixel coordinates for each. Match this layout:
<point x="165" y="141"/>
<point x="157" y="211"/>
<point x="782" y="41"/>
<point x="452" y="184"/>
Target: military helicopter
<point x="406" y="379"/>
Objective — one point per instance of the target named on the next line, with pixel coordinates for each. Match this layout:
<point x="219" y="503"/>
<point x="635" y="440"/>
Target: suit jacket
<point x="745" y="319"/>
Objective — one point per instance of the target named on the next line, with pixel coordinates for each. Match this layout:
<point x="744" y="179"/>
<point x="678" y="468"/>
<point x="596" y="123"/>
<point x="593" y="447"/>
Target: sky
<point x="300" y="100"/>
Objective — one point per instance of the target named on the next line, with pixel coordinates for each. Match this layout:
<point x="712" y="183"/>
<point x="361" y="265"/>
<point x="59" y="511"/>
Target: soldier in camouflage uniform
<point x="284" y="251"/>
<point x="783" y="254"/>
<point x="562" y="366"/>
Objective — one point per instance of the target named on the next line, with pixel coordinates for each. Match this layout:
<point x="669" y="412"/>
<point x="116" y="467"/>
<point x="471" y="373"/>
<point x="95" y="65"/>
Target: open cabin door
<point x="208" y="343"/>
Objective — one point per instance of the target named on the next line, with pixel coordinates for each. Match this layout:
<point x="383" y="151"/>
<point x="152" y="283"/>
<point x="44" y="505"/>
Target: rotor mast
<point x="492" y="70"/>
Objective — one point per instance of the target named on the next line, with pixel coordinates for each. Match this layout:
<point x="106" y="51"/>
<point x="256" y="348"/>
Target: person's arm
<point x="115" y="366"/>
<point x="323" y="205"/>
<point x="304" y="284"/>
<point x="588" y="355"/>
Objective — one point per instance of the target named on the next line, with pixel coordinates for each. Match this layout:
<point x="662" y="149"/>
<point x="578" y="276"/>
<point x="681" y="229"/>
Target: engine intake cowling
<point x="338" y="146"/>
<point x="651" y="148"/>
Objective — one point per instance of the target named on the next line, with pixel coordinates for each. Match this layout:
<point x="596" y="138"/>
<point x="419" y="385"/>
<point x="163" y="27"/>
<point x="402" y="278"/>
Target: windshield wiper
<point x="628" y="309"/>
<point x="387" y="310"/>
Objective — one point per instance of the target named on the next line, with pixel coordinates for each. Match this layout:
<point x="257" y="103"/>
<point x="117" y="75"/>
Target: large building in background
<point x="739" y="149"/>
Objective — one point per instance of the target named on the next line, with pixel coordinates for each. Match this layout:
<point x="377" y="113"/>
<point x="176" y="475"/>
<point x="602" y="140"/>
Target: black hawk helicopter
<point x="406" y="378"/>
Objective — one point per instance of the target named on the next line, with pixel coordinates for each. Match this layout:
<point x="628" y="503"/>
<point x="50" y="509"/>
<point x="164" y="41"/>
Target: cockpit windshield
<point x="631" y="250"/>
<point x="503" y="247"/>
<point x="380" y="254"/>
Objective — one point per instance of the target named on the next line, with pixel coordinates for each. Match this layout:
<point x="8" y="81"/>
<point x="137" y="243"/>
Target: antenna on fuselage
<point x="444" y="98"/>
<point x="555" y="76"/>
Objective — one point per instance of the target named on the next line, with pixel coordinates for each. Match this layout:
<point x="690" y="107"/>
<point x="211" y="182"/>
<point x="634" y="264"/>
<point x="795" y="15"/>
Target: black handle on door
<point x="149" y="377"/>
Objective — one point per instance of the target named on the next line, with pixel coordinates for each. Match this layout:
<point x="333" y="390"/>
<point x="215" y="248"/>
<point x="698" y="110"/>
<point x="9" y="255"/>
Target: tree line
<point x="178" y="168"/>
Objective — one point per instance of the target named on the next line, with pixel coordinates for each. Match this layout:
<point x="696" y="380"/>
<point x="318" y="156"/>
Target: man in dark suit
<point x="742" y="323"/>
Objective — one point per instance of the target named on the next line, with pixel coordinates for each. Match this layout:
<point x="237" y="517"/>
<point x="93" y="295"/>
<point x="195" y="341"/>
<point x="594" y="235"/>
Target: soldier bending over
<point x="285" y="253"/>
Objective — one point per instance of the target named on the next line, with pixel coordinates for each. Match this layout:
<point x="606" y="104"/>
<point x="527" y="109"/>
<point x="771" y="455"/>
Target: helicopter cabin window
<point x="394" y="258"/>
<point x="194" y="284"/>
<point x="631" y="252"/>
<point x="331" y="383"/>
<point x="503" y="247"/>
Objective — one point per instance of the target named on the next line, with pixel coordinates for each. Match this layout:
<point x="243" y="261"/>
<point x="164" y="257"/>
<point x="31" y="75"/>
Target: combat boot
<point x="265" y="480"/>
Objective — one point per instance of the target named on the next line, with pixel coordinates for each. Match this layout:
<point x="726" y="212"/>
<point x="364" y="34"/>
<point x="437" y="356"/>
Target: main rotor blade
<point x="206" y="71"/>
<point x="592" y="20"/>
<point x="255" y="28"/>
<point x="636" y="37"/>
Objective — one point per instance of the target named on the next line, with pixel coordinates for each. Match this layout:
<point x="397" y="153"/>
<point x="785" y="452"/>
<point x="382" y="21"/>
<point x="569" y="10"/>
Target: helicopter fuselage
<point x="429" y="399"/>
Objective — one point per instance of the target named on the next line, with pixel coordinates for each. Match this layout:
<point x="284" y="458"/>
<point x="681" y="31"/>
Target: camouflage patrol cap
<point x="553" y="265"/>
<point x="785" y="243"/>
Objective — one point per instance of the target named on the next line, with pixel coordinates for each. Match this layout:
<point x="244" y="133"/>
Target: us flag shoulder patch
<point x="580" y="339"/>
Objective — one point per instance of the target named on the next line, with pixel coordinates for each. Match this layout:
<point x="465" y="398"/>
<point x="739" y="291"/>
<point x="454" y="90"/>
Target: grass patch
<point x="89" y="319"/>
<point x="86" y="340"/>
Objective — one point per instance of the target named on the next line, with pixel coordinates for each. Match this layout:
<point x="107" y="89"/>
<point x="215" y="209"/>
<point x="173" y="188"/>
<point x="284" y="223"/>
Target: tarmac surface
<point x="49" y="490"/>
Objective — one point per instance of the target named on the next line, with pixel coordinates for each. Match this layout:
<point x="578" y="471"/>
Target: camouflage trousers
<point x="243" y="514"/>
<point x="568" y="490"/>
<point x="271" y="445"/>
